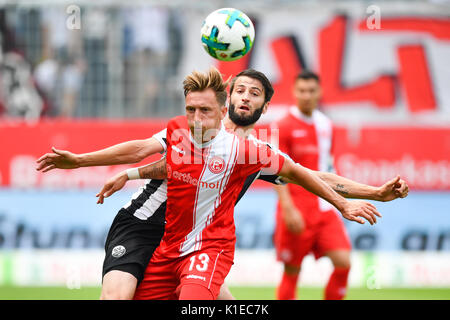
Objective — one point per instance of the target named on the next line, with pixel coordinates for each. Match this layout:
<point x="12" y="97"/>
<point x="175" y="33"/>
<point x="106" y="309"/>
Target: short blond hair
<point x="198" y="81"/>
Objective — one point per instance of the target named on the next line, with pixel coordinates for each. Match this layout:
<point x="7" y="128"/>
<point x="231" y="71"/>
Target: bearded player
<point x="306" y="224"/>
<point x="200" y="228"/>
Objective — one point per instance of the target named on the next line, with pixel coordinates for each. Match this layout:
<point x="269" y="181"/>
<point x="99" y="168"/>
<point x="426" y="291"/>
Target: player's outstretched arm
<point x="391" y="190"/>
<point x="122" y="153"/>
<point x="155" y="170"/>
<point x="352" y="210"/>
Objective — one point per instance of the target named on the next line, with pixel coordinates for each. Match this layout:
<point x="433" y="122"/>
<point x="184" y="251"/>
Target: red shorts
<point x="327" y="234"/>
<point x="164" y="277"/>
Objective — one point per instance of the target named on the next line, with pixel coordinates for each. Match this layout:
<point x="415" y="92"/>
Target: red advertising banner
<point x="23" y="143"/>
<point x="372" y="155"/>
<point x="421" y="155"/>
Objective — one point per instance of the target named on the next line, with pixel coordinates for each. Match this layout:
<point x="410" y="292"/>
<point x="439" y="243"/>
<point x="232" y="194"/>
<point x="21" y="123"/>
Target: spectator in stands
<point x="146" y="60"/>
<point x="18" y="94"/>
<point x="60" y="74"/>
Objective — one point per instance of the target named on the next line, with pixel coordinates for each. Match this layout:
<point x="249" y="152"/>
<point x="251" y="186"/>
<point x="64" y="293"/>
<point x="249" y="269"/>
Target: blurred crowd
<point x="116" y="63"/>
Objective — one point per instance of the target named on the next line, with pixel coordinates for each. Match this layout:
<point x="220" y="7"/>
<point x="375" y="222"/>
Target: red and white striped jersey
<point x="308" y="141"/>
<point x="204" y="182"/>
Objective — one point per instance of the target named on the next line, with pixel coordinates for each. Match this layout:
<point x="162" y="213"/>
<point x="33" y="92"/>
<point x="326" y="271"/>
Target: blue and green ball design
<point x="227" y="34"/>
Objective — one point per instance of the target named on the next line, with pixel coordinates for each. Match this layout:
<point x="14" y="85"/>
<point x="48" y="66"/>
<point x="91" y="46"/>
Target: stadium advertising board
<point x="56" y="209"/>
<point x="371" y="154"/>
<point x="54" y="237"/>
<point x="50" y="219"/>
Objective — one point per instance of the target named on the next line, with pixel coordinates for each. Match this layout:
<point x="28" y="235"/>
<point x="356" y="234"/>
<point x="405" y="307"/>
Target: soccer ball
<point x="227" y="34"/>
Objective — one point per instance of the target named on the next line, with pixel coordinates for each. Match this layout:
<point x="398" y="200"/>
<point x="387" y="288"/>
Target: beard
<point x="243" y="120"/>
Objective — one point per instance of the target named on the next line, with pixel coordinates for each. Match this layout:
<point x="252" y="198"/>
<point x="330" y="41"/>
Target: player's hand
<point x="393" y="189"/>
<point x="112" y="185"/>
<point x="293" y="220"/>
<point x="356" y="210"/>
<point x="60" y="159"/>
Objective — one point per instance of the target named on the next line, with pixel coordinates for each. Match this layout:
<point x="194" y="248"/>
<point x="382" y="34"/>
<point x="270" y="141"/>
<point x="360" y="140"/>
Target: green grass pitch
<point x="241" y="293"/>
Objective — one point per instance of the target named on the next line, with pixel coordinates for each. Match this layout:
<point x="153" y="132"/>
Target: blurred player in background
<point x="304" y="223"/>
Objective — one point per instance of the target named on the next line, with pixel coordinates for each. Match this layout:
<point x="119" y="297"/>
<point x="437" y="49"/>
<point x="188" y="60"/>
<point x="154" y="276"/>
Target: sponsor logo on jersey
<point x="178" y="150"/>
<point x="118" y="251"/>
<point x="186" y="177"/>
<point x="193" y="276"/>
<point x="216" y="165"/>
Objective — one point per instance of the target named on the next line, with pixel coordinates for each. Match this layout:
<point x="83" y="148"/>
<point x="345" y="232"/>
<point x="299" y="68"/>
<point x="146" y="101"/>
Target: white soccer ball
<point x="227" y="34"/>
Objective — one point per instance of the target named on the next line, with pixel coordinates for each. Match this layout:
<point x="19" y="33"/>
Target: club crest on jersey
<point x="118" y="251"/>
<point x="216" y="165"/>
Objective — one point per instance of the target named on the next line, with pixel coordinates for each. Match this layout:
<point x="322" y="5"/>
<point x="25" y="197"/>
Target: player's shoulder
<point x="249" y="145"/>
<point x="253" y="143"/>
<point x="268" y="145"/>
<point x="252" y="139"/>
<point x="319" y="115"/>
<point x="322" y="120"/>
<point x="177" y="129"/>
<point x="177" y="122"/>
<point x="285" y="120"/>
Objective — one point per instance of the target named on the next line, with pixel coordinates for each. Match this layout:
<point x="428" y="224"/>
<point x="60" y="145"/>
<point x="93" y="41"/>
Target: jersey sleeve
<point x="280" y="137"/>
<point x="161" y="137"/>
<point x="272" y="178"/>
<point x="274" y="161"/>
<point x="255" y="156"/>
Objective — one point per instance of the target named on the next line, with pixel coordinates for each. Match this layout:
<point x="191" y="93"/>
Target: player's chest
<point x="303" y="140"/>
<point x="204" y="168"/>
<point x="308" y="140"/>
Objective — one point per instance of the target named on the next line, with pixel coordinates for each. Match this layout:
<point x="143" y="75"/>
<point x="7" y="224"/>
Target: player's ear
<point x="319" y="92"/>
<point x="294" y="90"/>
<point x="266" y="105"/>
<point x="223" y="111"/>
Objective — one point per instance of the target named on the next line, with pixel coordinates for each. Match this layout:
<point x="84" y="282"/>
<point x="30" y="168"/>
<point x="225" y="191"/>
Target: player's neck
<point x="201" y="138"/>
<point x="240" y="131"/>
<point x="307" y="113"/>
